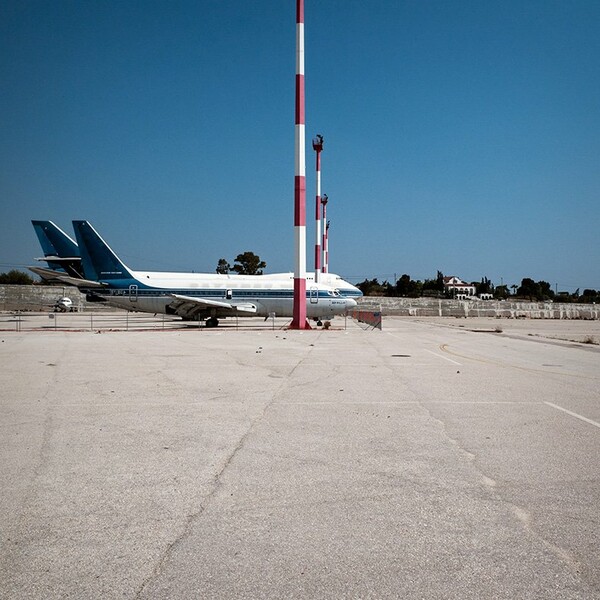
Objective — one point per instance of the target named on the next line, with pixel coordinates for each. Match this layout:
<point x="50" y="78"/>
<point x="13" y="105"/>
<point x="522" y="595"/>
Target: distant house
<point x="457" y="288"/>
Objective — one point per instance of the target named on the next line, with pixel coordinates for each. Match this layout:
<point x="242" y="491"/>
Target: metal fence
<point x="115" y="320"/>
<point x="88" y="321"/>
<point x="372" y="319"/>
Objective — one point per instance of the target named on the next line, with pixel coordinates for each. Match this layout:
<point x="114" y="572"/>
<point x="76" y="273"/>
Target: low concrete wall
<point x="37" y="298"/>
<point x="433" y="307"/>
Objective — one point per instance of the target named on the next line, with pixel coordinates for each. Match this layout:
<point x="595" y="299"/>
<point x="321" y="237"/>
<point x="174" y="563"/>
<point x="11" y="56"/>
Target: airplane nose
<point x="350" y="303"/>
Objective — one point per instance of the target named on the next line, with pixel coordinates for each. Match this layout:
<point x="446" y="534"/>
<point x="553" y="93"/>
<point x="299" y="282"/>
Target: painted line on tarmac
<point x="481" y="402"/>
<point x="335" y="402"/>
<point x="573" y="414"/>
<point x="444" y="357"/>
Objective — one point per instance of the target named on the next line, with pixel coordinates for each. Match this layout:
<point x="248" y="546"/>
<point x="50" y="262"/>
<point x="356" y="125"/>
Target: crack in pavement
<point x="190" y="519"/>
<point x="491" y="486"/>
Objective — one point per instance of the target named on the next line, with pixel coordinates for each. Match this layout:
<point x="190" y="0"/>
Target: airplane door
<point x="133" y="292"/>
<point x="314" y="295"/>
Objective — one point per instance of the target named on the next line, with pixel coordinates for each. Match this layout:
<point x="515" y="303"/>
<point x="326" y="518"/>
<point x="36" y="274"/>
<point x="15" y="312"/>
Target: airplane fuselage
<point x="264" y="295"/>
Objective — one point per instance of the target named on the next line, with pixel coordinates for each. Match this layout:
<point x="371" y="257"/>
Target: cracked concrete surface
<point x="217" y="479"/>
<point x="272" y="464"/>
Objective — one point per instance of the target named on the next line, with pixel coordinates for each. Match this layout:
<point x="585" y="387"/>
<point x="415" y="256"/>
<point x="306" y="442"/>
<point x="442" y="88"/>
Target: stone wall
<point x="37" y="298"/>
<point x="434" y="307"/>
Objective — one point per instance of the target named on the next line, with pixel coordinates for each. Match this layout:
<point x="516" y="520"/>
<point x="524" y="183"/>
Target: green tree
<point x="15" y="277"/>
<point x="223" y="267"/>
<point x="249" y="263"/>
<point x="403" y="285"/>
<point x="546" y="292"/>
<point x="434" y="287"/>
<point x="371" y="287"/>
<point x="529" y="289"/>
<point x="485" y="287"/>
<point x="389" y="289"/>
<point x="590" y="296"/>
<point x="535" y="290"/>
<point x="407" y="288"/>
<point x="501" y="292"/>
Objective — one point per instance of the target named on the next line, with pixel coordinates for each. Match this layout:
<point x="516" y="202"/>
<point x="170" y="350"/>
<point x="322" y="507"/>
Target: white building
<point x="457" y="288"/>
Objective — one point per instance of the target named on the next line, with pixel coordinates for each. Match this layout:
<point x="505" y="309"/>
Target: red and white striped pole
<point x="318" y="148"/>
<point x="299" y="313"/>
<point x="325" y="268"/>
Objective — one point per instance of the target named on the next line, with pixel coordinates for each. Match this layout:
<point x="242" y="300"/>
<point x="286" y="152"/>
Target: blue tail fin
<point x="54" y="241"/>
<point x="100" y="263"/>
<point x="60" y="251"/>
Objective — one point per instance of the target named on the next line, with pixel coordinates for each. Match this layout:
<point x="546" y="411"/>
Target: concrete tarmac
<point x="422" y="461"/>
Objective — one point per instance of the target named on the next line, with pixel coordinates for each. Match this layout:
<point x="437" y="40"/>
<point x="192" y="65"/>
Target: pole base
<point x="299" y="325"/>
<point x="299" y="313"/>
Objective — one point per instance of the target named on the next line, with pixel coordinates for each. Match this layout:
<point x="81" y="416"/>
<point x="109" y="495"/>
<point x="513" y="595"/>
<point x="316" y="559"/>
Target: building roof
<point x="455" y="281"/>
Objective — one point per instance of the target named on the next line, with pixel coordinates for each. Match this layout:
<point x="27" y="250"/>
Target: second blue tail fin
<point x="60" y="251"/>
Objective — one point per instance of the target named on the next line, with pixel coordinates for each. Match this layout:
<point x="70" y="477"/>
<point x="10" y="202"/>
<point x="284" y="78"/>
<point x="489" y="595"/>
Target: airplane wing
<point x="188" y="306"/>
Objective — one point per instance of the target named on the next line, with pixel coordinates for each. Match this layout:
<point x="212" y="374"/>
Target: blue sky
<point x="459" y="136"/>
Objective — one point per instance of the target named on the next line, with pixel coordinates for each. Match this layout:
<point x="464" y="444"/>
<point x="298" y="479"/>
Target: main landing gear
<point x="321" y="323"/>
<point x="211" y="322"/>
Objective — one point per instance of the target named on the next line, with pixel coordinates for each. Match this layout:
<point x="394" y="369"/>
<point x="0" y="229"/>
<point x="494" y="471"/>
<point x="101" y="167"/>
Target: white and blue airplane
<point x="198" y="296"/>
<point x="64" y="262"/>
<point x="61" y="253"/>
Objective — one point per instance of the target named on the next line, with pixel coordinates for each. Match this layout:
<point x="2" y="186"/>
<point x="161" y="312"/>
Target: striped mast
<point x="299" y="310"/>
<point x="318" y="148"/>
<point x="325" y="268"/>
